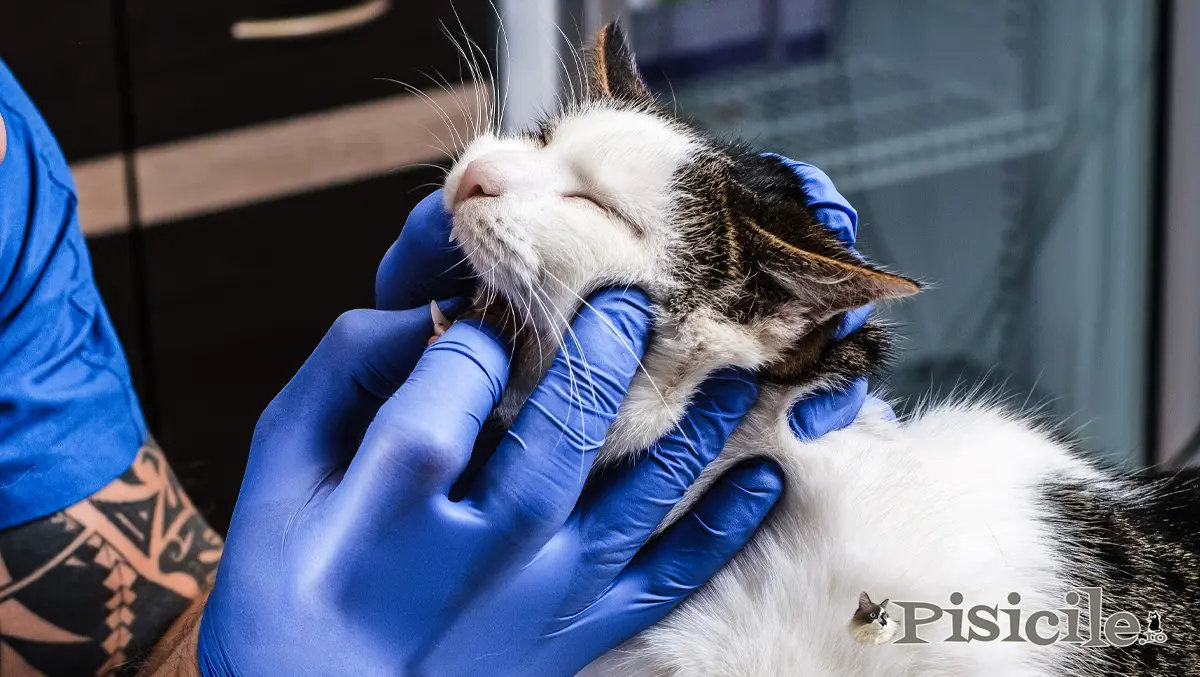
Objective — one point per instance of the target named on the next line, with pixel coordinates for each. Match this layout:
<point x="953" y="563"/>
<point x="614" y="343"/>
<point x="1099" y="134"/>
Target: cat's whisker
<point x="609" y="324"/>
<point x="427" y="165"/>
<point x="436" y="106"/>
<point x="429" y="100"/>
<point x="455" y="137"/>
<point x="489" y="108"/>
<point x="464" y="59"/>
<point x="441" y="149"/>
<point x="536" y="331"/>
<point x="585" y="72"/>
<point x="519" y="328"/>
<point x="566" y="71"/>
<point x="573" y="388"/>
<point x="427" y="184"/>
<point x="579" y="394"/>
<point x="461" y="104"/>
<point x="546" y="304"/>
<point x="641" y="365"/>
<point x="528" y="321"/>
<point x="464" y="259"/>
<point x="503" y="99"/>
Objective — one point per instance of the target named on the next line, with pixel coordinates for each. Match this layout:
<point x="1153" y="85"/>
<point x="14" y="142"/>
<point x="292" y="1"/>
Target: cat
<point x="1152" y="632"/>
<point x="614" y="189"/>
<point x="871" y="623"/>
<point x="1154" y="622"/>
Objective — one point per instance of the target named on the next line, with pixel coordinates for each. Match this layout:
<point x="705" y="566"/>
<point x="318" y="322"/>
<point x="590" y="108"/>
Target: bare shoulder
<point x="94" y="587"/>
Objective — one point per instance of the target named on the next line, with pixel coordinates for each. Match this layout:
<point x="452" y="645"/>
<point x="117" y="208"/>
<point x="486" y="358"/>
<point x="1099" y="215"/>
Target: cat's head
<point x="869" y="613"/>
<point x="614" y="190"/>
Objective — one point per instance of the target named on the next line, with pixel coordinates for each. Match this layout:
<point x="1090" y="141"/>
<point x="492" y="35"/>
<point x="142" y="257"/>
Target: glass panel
<point x="997" y="150"/>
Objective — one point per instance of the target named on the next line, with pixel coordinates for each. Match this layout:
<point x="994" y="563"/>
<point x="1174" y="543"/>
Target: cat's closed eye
<point x="585" y="198"/>
<point x="600" y="204"/>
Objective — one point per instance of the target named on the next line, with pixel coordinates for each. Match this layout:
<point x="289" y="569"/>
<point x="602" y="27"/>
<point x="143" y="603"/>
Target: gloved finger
<point x="885" y="408"/>
<point x="533" y="480"/>
<point x="422" y="436"/>
<point x="423" y="264"/>
<point x="821" y="413"/>
<point x="824" y="411"/>
<point x="852" y="321"/>
<point x="314" y="424"/>
<point x="691" y="551"/>
<point x="624" y="507"/>
<point x="829" y="206"/>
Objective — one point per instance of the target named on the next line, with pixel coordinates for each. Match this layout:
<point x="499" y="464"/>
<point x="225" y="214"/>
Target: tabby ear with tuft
<point x="831" y="285"/>
<point x="614" y="71"/>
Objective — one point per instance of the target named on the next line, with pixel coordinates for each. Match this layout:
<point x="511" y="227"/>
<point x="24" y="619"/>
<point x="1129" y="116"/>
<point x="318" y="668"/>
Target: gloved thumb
<point x="313" y="426"/>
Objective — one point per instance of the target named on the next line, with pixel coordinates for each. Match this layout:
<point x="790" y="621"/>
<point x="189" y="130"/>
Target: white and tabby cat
<point x="965" y="498"/>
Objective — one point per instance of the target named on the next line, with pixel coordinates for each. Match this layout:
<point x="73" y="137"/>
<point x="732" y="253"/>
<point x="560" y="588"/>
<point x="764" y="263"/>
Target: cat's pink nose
<point x="482" y="178"/>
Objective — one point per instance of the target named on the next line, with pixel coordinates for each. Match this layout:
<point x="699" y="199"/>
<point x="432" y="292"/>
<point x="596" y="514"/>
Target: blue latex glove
<point x="347" y="557"/>
<point x="826" y="411"/>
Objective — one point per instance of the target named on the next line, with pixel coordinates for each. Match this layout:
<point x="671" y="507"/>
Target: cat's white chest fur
<point x="914" y="511"/>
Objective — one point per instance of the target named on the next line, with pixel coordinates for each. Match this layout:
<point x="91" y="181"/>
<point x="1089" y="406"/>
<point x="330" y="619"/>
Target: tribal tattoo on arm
<point x="91" y="589"/>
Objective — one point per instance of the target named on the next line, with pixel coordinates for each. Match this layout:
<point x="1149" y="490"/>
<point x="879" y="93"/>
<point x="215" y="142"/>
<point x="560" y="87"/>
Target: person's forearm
<point x="92" y="588"/>
<point x="175" y="655"/>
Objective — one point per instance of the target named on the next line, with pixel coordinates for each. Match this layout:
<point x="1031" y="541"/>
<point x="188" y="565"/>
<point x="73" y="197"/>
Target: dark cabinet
<point x="193" y="76"/>
<point x="65" y="55"/>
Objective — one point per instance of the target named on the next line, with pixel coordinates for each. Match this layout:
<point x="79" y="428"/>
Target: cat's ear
<point x="827" y="284"/>
<point x="780" y="238"/>
<point x="884" y="603"/>
<point x="614" y="72"/>
<point x="864" y="602"/>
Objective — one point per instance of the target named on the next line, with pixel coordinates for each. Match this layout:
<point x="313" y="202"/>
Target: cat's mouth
<point x="493" y="244"/>
<point x="493" y="308"/>
<point x="505" y="264"/>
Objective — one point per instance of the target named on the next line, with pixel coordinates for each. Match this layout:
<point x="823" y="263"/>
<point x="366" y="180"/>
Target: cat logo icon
<point x="1153" y="633"/>
<point x="871" y="623"/>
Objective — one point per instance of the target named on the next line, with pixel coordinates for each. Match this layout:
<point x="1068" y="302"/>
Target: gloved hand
<point x="347" y="557"/>
<point x="826" y="411"/>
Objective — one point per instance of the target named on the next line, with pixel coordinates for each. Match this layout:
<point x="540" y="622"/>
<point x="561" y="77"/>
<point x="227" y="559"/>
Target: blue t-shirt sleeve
<point x="70" y="421"/>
